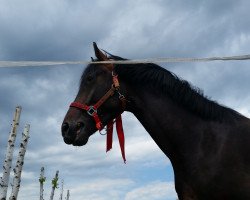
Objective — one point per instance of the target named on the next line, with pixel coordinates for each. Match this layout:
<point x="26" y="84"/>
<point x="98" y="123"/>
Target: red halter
<point x="93" y="112"/>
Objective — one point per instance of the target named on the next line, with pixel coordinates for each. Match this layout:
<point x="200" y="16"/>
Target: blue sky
<point x="64" y="30"/>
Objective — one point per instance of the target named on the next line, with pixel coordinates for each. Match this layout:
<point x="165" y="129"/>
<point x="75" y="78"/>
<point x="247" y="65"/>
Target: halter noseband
<point x="92" y="110"/>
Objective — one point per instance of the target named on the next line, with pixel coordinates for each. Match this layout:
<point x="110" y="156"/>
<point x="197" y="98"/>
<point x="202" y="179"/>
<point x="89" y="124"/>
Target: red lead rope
<point x="109" y="136"/>
<point x="120" y="135"/>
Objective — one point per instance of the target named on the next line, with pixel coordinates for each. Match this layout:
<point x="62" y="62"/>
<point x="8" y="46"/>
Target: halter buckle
<point x="92" y="110"/>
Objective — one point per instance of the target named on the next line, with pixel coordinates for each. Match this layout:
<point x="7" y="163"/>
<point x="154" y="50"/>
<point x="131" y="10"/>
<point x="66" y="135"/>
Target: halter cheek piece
<point x="92" y="110"/>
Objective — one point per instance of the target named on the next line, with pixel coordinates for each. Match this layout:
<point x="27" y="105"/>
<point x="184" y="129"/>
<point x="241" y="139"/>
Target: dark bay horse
<point x="208" y="144"/>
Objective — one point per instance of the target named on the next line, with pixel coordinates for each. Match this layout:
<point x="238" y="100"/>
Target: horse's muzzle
<point x="73" y="133"/>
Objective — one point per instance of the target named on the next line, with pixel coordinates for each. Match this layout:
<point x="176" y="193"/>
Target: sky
<point x="52" y="30"/>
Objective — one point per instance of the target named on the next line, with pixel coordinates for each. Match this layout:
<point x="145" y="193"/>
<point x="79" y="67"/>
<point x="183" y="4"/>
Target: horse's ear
<point x="102" y="57"/>
<point x="99" y="54"/>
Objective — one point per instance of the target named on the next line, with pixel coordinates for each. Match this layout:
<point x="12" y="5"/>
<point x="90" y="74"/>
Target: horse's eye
<point x="102" y="72"/>
<point x="89" y="78"/>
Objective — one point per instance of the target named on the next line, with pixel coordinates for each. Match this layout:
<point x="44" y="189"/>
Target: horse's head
<point x="98" y="101"/>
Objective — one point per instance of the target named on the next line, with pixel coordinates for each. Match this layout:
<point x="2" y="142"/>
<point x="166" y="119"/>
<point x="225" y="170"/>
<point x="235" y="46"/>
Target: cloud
<point x="156" y="190"/>
<point x="102" y="189"/>
<point x="65" y="30"/>
<point x="31" y="29"/>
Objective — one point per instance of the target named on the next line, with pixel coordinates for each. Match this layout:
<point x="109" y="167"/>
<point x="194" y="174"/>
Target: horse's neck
<point x="174" y="129"/>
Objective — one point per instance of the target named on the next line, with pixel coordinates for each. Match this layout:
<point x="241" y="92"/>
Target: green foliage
<point x="55" y="182"/>
<point x="42" y="180"/>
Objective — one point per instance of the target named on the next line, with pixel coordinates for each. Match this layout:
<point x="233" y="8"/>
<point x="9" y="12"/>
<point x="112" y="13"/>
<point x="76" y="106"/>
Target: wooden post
<point x="61" y="195"/>
<point x="4" y="181"/>
<point x="42" y="179"/>
<point x="67" y="198"/>
<point x="19" y="163"/>
<point x="54" y="185"/>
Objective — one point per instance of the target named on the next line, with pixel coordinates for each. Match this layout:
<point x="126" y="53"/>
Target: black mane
<point x="160" y="80"/>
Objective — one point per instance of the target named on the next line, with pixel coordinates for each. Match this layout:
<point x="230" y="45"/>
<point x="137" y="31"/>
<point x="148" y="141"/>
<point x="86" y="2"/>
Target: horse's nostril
<point x="79" y="124"/>
<point x="65" y="128"/>
<point x="79" y="127"/>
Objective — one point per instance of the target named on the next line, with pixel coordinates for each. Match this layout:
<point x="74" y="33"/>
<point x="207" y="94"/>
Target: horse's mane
<point x="163" y="82"/>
